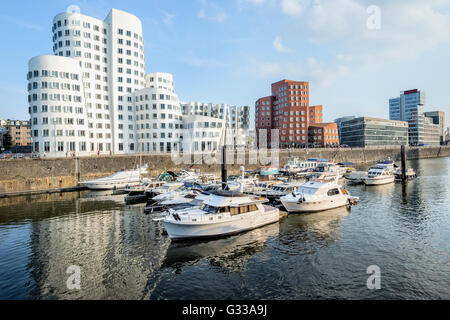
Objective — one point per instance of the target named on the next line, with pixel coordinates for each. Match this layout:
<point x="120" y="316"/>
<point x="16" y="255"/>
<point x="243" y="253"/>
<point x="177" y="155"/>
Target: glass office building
<point x="368" y="132"/>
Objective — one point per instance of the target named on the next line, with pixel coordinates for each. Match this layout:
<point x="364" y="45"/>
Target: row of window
<point x="54" y="85"/>
<point x="53" y="97"/>
<point x="52" y="74"/>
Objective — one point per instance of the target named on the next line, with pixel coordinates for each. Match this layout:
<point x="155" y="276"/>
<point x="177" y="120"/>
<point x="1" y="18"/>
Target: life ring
<point x="344" y="191"/>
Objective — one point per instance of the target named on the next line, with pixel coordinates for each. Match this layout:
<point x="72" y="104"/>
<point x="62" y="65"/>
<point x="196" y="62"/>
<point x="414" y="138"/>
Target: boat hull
<point x="108" y="185"/>
<point x="315" y="206"/>
<point x="378" y="182"/>
<point x="179" y="231"/>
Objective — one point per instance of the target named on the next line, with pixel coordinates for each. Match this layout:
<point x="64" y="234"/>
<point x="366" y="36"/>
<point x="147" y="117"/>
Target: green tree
<point x="7" y="141"/>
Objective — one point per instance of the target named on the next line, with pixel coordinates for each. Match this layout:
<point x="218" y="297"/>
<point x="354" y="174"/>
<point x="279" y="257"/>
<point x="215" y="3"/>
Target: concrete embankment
<point x="17" y="176"/>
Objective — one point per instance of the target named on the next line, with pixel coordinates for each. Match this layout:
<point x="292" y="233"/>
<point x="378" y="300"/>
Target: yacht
<point x="355" y="177"/>
<point x="410" y="174"/>
<point x="116" y="181"/>
<point x="318" y="195"/>
<point x="379" y="175"/>
<point x="222" y="213"/>
<point x="165" y="188"/>
<point x="279" y="190"/>
<point x="295" y="166"/>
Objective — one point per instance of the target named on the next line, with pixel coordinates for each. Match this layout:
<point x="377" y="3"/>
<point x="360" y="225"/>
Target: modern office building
<point x="324" y="134"/>
<point x="81" y="98"/>
<point x="339" y="122"/>
<point x="432" y="132"/>
<point x="288" y="111"/>
<point x="368" y="132"/>
<point x="410" y="107"/>
<point x="205" y="125"/>
<point x="438" y="117"/>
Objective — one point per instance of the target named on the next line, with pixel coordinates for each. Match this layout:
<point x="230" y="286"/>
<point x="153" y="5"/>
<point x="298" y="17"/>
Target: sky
<point x="230" y="51"/>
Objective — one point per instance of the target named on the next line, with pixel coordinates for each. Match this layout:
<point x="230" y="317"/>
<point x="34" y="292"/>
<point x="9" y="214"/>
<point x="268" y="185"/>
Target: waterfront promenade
<point x="48" y="175"/>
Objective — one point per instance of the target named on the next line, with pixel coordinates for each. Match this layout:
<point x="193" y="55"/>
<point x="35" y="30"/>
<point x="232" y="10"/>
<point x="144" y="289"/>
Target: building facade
<point x="158" y="115"/>
<point x="324" y="134"/>
<point x="205" y="125"/>
<point x="438" y="117"/>
<point x="410" y="107"/>
<point x="19" y="131"/>
<point x="288" y="111"/>
<point x="99" y="63"/>
<point x="368" y="132"/>
<point x="339" y="122"/>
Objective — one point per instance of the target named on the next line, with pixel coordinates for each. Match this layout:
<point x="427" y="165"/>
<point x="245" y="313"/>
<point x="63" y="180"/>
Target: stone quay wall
<point x="22" y="175"/>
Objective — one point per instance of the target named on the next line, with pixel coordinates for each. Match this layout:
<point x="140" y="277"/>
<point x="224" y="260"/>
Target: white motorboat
<point x="410" y="174"/>
<point x="379" y="175"/>
<point x="165" y="188"/>
<point x="355" y="177"/>
<point x="294" y="165"/>
<point x="222" y="213"/>
<point x="332" y="169"/>
<point x="316" y="195"/>
<point x="116" y="181"/>
<point x="279" y="190"/>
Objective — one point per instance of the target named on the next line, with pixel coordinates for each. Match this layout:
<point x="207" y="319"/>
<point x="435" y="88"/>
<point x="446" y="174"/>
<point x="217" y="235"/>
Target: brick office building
<point x="288" y="111"/>
<point x="324" y="134"/>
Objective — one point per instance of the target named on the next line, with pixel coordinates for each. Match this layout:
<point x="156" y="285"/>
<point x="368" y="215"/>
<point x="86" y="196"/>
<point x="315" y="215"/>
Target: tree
<point x="7" y="141"/>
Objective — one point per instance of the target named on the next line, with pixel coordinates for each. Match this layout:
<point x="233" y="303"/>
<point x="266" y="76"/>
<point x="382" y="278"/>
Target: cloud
<point x="168" y="18"/>
<point x="277" y="44"/>
<point x="211" y="11"/>
<point x="293" y="7"/>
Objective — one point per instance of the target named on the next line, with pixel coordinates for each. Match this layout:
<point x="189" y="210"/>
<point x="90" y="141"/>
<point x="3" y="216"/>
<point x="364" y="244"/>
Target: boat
<point x="410" y="174"/>
<point x="116" y="181"/>
<point x="279" y="190"/>
<point x="379" y="175"/>
<point x="165" y="188"/>
<point x="355" y="177"/>
<point x="294" y="166"/>
<point x="318" y="195"/>
<point x="223" y="213"/>
<point x="269" y="171"/>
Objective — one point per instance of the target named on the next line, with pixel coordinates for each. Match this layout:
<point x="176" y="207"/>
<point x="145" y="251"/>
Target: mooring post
<point x="224" y="167"/>
<point x="403" y="155"/>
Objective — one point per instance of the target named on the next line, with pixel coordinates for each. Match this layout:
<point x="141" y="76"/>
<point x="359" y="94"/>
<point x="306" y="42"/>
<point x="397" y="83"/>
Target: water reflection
<point x="229" y="254"/>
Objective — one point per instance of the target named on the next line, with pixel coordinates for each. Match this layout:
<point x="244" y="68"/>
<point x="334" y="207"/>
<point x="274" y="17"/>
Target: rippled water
<point x="402" y="228"/>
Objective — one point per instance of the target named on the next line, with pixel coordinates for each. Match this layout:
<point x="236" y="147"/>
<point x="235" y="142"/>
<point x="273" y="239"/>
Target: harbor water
<point x="403" y="229"/>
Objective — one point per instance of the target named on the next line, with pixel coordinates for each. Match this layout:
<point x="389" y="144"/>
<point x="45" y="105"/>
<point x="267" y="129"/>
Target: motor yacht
<point x="355" y="177"/>
<point x="165" y="188"/>
<point x="294" y="166"/>
<point x="116" y="181"/>
<point x="379" y="175"/>
<point x="222" y="213"/>
<point x="318" y="195"/>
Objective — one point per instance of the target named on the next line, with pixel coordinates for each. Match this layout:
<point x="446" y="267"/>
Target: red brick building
<point x="315" y="114"/>
<point x="287" y="110"/>
<point x="324" y="134"/>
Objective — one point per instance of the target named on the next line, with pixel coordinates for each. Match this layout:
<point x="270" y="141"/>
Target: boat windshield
<point x="209" y="209"/>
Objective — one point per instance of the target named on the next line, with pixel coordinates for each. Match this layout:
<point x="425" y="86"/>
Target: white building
<point x="205" y="125"/>
<point x="159" y="120"/>
<point x="93" y="96"/>
<point x="104" y="63"/>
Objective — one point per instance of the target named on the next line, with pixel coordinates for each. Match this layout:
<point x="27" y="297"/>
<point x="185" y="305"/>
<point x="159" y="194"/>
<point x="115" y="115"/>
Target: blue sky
<point x="230" y="51"/>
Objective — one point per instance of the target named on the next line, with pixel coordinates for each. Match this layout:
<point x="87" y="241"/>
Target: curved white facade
<point x="110" y="59"/>
<point x="159" y="119"/>
<point x="57" y="106"/>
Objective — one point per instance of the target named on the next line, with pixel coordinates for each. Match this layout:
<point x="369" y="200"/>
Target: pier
<point x="25" y="176"/>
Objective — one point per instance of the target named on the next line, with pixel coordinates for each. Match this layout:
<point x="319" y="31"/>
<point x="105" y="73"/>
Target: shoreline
<point x="37" y="176"/>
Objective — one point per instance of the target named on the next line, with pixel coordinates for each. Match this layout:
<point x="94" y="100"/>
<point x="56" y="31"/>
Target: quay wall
<point x="52" y="174"/>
